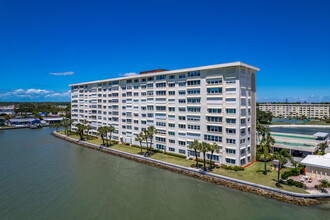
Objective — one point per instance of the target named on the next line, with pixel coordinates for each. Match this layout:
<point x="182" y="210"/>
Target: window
<point x="194" y="73"/>
<point x="161" y="139"/>
<point x="212" y="138"/>
<point x="171" y="92"/>
<point x="171" y="141"/>
<point x="182" y="92"/>
<point x="214" y="90"/>
<point x="193" y="118"/>
<point x="182" y="151"/>
<point x="171" y="85"/>
<point x="182" y="84"/>
<point x="182" y="109"/>
<point x="194" y="127"/>
<point x="193" y="109"/>
<point x="172" y="77"/>
<point x="213" y="119"/>
<point x="161" y="124"/>
<point x="160" y="85"/>
<point x="182" y="126"/>
<point x="230" y="141"/>
<point x="171" y="149"/>
<point x="193" y="100"/>
<point x="231" y="161"/>
<point x="230" y="131"/>
<point x="182" y="101"/>
<point x="136" y="80"/>
<point x="182" y="118"/>
<point x="171" y="109"/>
<point x="230" y="151"/>
<point x="193" y="91"/>
<point x="182" y="143"/>
<point x="161" y="77"/>
<point x="171" y="133"/>
<point x="182" y="76"/>
<point x="231" y="111"/>
<point x="230" y="121"/>
<point x="213" y="81"/>
<point x="160" y="146"/>
<point x="160" y="108"/>
<point x="214" y="110"/>
<point x="216" y="129"/>
<point x="171" y="125"/>
<point x="194" y="83"/>
<point x="161" y="92"/>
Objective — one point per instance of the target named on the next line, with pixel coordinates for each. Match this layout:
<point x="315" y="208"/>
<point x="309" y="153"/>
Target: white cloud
<point x="34" y="94"/>
<point x="129" y="74"/>
<point x="62" y="74"/>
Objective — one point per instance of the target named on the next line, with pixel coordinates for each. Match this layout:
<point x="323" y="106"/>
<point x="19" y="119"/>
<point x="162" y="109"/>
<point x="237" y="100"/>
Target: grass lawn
<point x="253" y="173"/>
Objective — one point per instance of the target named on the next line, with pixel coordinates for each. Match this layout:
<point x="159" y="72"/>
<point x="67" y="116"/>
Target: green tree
<point x="195" y="146"/>
<point x="266" y="146"/>
<point x="146" y="137"/>
<point x="102" y="132"/>
<point x="151" y="132"/>
<point x="88" y="128"/>
<point x="80" y="130"/>
<point x="261" y="131"/>
<point x="264" y="117"/>
<point x="204" y="147"/>
<point x="110" y="129"/>
<point x="213" y="148"/>
<point x="140" y="138"/>
<point x="281" y="157"/>
<point x="322" y="146"/>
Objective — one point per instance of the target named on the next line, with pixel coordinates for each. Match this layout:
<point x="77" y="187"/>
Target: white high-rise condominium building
<point x="213" y="103"/>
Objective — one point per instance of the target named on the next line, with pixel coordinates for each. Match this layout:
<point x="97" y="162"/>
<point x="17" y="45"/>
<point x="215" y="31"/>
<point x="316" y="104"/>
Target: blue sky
<point x="92" y="40"/>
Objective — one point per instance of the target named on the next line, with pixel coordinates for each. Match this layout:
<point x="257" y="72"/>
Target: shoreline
<point x="290" y="197"/>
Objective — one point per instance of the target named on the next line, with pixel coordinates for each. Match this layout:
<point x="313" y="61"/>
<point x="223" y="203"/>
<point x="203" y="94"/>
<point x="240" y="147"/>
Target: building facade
<point x="297" y="110"/>
<point x="213" y="103"/>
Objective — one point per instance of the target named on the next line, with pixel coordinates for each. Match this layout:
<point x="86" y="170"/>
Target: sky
<point x="47" y="45"/>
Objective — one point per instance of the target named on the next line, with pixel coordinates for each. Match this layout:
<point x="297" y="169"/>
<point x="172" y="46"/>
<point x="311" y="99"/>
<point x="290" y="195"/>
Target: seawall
<point x="290" y="197"/>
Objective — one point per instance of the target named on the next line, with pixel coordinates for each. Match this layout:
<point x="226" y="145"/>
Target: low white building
<point x="317" y="166"/>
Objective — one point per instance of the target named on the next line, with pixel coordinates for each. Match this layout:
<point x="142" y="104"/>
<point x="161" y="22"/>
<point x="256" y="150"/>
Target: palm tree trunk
<point x="278" y="173"/>
<point x="265" y="158"/>
<point x="102" y="139"/>
<point x="204" y="161"/>
<point x="110" y="138"/>
<point x="141" y="146"/>
<point x="196" y="158"/>
<point x="147" y="144"/>
<point x="211" y="160"/>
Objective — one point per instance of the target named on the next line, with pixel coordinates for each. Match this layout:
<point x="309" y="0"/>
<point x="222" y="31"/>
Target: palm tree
<point x="213" y="147"/>
<point x="266" y="146"/>
<point x="152" y="131"/>
<point x="322" y="146"/>
<point x="110" y="129"/>
<point x="146" y="136"/>
<point x="139" y="138"/>
<point x="261" y="131"/>
<point x="102" y="132"/>
<point x="88" y="128"/>
<point x="195" y="146"/>
<point x="80" y="130"/>
<point x="204" y="147"/>
<point x="66" y="125"/>
<point x="281" y="157"/>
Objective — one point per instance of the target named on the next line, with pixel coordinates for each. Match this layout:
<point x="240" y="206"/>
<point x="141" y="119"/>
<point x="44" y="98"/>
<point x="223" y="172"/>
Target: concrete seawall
<point x="299" y="126"/>
<point x="290" y="197"/>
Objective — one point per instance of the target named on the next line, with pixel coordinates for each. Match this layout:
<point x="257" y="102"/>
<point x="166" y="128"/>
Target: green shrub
<point x="261" y="157"/>
<point x="127" y="144"/>
<point x="292" y="172"/>
<point x="137" y="146"/>
<point x="175" y="155"/>
<point x="291" y="182"/>
<point x="114" y="142"/>
<point x="327" y="121"/>
<point x="325" y="184"/>
<point x="236" y="168"/>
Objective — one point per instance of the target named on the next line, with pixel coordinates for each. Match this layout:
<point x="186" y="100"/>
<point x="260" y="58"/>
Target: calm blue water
<point x="43" y="177"/>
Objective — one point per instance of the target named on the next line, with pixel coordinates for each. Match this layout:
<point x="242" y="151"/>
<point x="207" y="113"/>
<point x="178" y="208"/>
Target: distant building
<point x="23" y="121"/>
<point x="297" y="110"/>
<point x="9" y="109"/>
<point x="2" y="121"/>
<point x="317" y="166"/>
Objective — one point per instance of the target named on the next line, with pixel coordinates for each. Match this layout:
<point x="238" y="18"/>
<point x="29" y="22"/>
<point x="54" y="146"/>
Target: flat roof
<point x="322" y="161"/>
<point x="217" y="66"/>
<point x="321" y="134"/>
